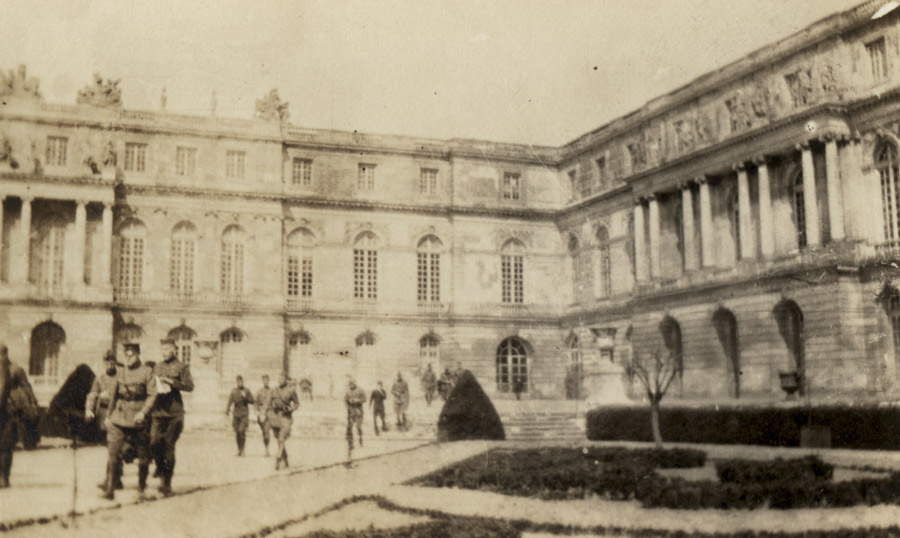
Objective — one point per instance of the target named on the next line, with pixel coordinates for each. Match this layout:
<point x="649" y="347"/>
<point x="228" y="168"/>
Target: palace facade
<point x="747" y="223"/>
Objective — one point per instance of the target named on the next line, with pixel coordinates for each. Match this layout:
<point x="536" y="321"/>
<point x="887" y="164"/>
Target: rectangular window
<point x="511" y="186"/>
<point x="299" y="276"/>
<point x="428" y="181"/>
<point x="293" y="276"/>
<point x="573" y="184"/>
<point x="513" y="286"/>
<point x="306" y="276"/>
<point x="429" y="273"/>
<point x="185" y="161"/>
<point x="181" y="270"/>
<point x="131" y="263"/>
<point x="234" y="164"/>
<point x="232" y="268"/>
<point x="878" y="59"/>
<point x="366" y="179"/>
<point x="601" y="172"/>
<point x="135" y="157"/>
<point x="56" y="150"/>
<point x="301" y="174"/>
<point x="365" y="274"/>
<point x="602" y="280"/>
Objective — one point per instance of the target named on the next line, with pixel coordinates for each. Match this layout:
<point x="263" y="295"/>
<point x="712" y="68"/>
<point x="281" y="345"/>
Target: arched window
<point x="428" y="258"/>
<point x="671" y="334"/>
<point x="790" y="324"/>
<point x="365" y="266"/>
<point x="365" y="339"/>
<point x="726" y="329"/>
<point x="48" y="255"/>
<point x="46" y="341"/>
<point x="430" y="349"/>
<point x="300" y="264"/>
<point x="886" y="163"/>
<point x="512" y="364"/>
<point x="574" y="257"/>
<point x="512" y="257"/>
<point x="299" y="355"/>
<point x="602" y="270"/>
<point x="575" y="370"/>
<point x="182" y="259"/>
<point x="797" y="203"/>
<point x="184" y="338"/>
<point x="131" y="257"/>
<point x="232" y="353"/>
<point x="232" y="262"/>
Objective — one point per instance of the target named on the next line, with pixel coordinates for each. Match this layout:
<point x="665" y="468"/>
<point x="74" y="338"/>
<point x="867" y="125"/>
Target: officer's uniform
<point x="134" y="392"/>
<point x="355" y="398"/>
<point x="97" y="402"/>
<point x="263" y="397"/>
<point x="282" y="404"/>
<point x="400" y="390"/>
<point x="241" y="399"/>
<point x="168" y="416"/>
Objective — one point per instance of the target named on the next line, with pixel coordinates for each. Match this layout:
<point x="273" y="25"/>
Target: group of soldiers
<point x="139" y="406"/>
<point x="274" y="411"/>
<point x="443" y="386"/>
<point x="355" y="399"/>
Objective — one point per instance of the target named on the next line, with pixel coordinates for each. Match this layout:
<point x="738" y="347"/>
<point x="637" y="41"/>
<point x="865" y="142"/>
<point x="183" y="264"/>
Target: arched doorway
<point x="671" y="334"/>
<point x="512" y="363"/>
<point x="790" y="324"/>
<point x="726" y="329"/>
<point x="575" y="370"/>
<point x="47" y="340"/>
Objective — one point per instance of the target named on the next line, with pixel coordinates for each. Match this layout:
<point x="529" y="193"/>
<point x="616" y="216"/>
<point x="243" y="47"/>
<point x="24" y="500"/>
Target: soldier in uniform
<point x="354" y="399"/>
<point x="17" y="401"/>
<point x="241" y="399"/>
<point x="400" y="390"/>
<point x="429" y="384"/>
<point x="96" y="406"/>
<point x="263" y="396"/>
<point x="376" y="402"/>
<point x="173" y="376"/>
<point x="132" y="398"/>
<point x="282" y="404"/>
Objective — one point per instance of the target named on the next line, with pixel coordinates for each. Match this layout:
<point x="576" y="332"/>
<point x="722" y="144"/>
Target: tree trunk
<point x="654" y="424"/>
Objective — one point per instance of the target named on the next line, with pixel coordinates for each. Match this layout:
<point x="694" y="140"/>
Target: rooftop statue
<point x="17" y="83"/>
<point x="101" y="93"/>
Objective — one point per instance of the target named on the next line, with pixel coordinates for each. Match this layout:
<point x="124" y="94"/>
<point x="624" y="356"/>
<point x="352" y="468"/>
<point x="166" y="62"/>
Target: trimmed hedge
<point x="854" y="427"/>
<point x="793" y="470"/>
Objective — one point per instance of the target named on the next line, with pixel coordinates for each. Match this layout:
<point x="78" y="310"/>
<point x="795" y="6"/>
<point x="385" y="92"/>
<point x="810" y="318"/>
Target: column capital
<point x="651" y="197"/>
<point x="802" y="146"/>
<point x="828" y="137"/>
<point x="82" y="202"/>
<point x="700" y="180"/>
<point x="685" y="185"/>
<point x="27" y="198"/>
<point x="738" y="166"/>
<point x="760" y="160"/>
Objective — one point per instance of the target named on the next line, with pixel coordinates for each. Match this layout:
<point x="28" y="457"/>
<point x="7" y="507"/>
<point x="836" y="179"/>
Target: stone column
<point x="80" y="241"/>
<point x="687" y="227"/>
<point x="106" y="253"/>
<point x="810" y="207"/>
<point x="745" y="224"/>
<point x="766" y="226"/>
<point x="25" y="239"/>
<point x="640" y="251"/>
<point x="833" y="182"/>
<point x="654" y="236"/>
<point x="707" y="241"/>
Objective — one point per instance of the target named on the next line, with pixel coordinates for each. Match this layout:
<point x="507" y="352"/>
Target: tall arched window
<point x="512" y="364"/>
<point x="131" y="257"/>
<point x="671" y="334"/>
<point x="430" y="349"/>
<point x="797" y="204"/>
<point x="365" y="266"/>
<point x="602" y="270"/>
<point x="182" y="259"/>
<point x="184" y="338"/>
<point x="726" y="329"/>
<point x="46" y="341"/>
<point x="48" y="255"/>
<point x="886" y="163"/>
<point x="575" y="370"/>
<point x="300" y="264"/>
<point x="574" y="255"/>
<point x="365" y="339"/>
<point x="232" y="262"/>
<point x="512" y="257"/>
<point x="428" y="257"/>
<point x="790" y="324"/>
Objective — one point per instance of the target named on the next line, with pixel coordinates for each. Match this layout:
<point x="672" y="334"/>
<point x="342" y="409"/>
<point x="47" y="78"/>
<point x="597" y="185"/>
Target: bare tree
<point x="271" y="108"/>
<point x="102" y="93"/>
<point x="656" y="373"/>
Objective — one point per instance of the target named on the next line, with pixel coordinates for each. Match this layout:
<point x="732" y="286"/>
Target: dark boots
<point x="5" y="468"/>
<point x="143" y="471"/>
<point x="109" y="484"/>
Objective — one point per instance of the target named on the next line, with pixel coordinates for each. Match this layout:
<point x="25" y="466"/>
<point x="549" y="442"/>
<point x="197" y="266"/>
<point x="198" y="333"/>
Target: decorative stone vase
<point x="790" y="383"/>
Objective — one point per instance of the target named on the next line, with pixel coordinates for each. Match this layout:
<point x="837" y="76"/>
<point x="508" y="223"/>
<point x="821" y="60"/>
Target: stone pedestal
<point x="604" y="383"/>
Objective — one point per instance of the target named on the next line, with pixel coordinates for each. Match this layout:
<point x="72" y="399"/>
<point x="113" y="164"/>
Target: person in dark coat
<point x="17" y="403"/>
<point x="429" y="384"/>
<point x="400" y="390"/>
<point x="376" y="402"/>
<point x="354" y="400"/>
<point x="282" y="404"/>
<point x="241" y="399"/>
<point x="172" y="377"/>
<point x="96" y="406"/>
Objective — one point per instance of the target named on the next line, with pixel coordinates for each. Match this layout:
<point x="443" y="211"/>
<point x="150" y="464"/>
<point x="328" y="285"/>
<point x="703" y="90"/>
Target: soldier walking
<point x="376" y="401"/>
<point x="173" y="376"/>
<point x="354" y="400"/>
<point x="429" y="384"/>
<point x="132" y="398"/>
<point x="17" y="402"/>
<point x="241" y="399"/>
<point x="96" y="406"/>
<point x="282" y="404"/>
<point x="400" y="390"/>
<point x="263" y="396"/>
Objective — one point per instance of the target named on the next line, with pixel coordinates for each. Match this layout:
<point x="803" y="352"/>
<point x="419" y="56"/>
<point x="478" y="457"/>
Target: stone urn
<point x="790" y="383"/>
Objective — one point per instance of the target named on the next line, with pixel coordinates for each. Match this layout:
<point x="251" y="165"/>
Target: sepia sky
<point x="531" y="71"/>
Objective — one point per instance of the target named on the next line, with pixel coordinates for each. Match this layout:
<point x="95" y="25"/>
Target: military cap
<point x="109" y="356"/>
<point x="132" y="347"/>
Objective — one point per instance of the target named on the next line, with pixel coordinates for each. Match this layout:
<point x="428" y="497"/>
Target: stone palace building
<point x="747" y="223"/>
